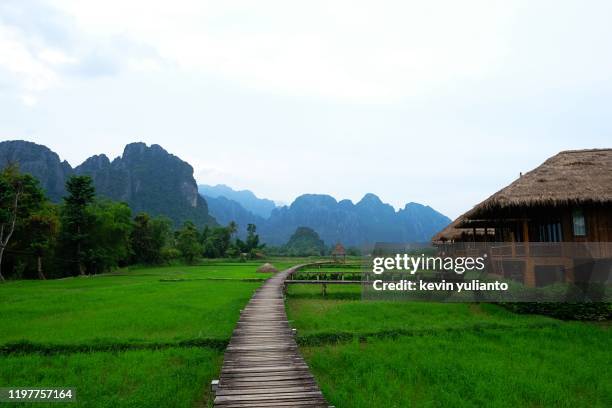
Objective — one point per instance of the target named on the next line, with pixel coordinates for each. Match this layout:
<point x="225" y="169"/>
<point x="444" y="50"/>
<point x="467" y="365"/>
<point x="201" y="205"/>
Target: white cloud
<point x="347" y="50"/>
<point x="356" y="51"/>
<point x="40" y="47"/>
<point x="433" y="101"/>
<point x="32" y="72"/>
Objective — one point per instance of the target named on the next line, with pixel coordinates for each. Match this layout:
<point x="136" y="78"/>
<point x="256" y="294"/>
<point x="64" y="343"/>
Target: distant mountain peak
<point x="368" y="221"/>
<point x="261" y="207"/>
<point x="147" y="178"/>
<point x="96" y="162"/>
<point x="370" y="198"/>
<point x="39" y="161"/>
<point x="314" y="200"/>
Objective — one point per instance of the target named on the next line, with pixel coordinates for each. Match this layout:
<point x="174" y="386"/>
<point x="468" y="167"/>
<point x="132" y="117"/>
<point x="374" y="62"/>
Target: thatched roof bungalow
<point x="567" y="199"/>
<point x="572" y="178"/>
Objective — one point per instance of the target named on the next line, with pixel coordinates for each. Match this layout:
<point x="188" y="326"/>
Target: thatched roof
<point x="453" y="232"/>
<point x="268" y="268"/>
<point x="339" y="249"/>
<point x="570" y="177"/>
<point x="450" y="233"/>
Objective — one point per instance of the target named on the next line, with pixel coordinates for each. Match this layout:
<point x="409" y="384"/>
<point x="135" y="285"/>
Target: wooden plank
<point x="262" y="365"/>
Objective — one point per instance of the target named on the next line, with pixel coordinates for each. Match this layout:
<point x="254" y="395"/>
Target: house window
<point x="550" y="231"/>
<point x="579" y="222"/>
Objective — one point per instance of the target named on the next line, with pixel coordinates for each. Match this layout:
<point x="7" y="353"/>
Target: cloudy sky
<point x="438" y="102"/>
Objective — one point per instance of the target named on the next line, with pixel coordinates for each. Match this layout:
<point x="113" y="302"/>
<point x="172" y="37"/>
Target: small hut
<point x="338" y="253"/>
<point x="267" y="268"/>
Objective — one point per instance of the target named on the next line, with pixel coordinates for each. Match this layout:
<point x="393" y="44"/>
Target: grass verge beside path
<point x="126" y="339"/>
<point x="163" y="378"/>
<point x="392" y="354"/>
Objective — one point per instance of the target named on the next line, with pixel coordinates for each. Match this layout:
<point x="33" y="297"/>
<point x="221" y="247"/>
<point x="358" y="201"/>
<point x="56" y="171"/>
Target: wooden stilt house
<point x="552" y="224"/>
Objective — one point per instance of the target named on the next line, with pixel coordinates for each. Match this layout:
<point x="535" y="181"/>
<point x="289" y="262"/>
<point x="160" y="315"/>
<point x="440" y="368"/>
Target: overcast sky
<point x="438" y="102"/>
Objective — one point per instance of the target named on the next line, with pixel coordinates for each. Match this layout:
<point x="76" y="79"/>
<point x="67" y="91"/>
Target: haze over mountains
<point x="258" y="206"/>
<point x="150" y="179"/>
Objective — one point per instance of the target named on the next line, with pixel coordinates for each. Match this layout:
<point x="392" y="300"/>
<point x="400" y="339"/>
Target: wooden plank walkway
<point x="262" y="366"/>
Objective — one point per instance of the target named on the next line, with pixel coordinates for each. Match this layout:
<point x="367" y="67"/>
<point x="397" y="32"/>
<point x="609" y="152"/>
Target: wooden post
<point x="530" y="278"/>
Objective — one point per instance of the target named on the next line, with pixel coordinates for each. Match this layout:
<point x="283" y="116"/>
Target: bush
<point x="593" y="311"/>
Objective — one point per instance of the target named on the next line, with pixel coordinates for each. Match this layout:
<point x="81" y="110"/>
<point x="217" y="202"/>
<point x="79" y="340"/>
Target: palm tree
<point x="232" y="227"/>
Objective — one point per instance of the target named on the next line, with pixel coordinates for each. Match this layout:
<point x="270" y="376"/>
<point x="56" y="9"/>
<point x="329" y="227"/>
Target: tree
<point x="251" y="245"/>
<point x="148" y="238"/>
<point x="76" y="220"/>
<point x="20" y="195"/>
<point x="217" y="242"/>
<point x="108" y="243"/>
<point x="42" y="229"/>
<point x="252" y="240"/>
<point x="188" y="242"/>
<point x="232" y="227"/>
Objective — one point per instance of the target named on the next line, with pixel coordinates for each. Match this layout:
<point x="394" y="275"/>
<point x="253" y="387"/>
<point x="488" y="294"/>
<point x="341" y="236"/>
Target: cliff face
<point x="39" y="161"/>
<point x="148" y="178"/>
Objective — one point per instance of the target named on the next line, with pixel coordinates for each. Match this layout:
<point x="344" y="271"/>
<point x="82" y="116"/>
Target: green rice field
<point x="143" y="337"/>
<point x="392" y="354"/>
<point x="153" y="337"/>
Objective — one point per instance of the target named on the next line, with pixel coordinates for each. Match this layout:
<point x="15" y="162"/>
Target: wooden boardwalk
<point x="262" y="366"/>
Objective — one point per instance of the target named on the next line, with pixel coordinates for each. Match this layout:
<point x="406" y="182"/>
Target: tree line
<point x="87" y="234"/>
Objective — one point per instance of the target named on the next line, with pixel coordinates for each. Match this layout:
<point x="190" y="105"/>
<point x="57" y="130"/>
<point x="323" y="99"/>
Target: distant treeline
<point x="306" y="242"/>
<point x="85" y="234"/>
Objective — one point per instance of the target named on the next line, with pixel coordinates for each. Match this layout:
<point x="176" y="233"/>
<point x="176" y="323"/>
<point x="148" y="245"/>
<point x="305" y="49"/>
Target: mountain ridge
<point x="150" y="179"/>
<point x="258" y="206"/>
<point x="147" y="178"/>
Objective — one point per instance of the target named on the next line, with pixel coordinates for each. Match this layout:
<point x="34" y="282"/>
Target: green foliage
<point x="20" y="197"/>
<point x="40" y="234"/>
<point x="566" y="311"/>
<point x="217" y="241"/>
<point x="304" y="242"/>
<point x="188" y="242"/>
<point x="251" y="247"/>
<point x="353" y="251"/>
<point x="77" y="222"/>
<point x="149" y="238"/>
<point x="109" y="245"/>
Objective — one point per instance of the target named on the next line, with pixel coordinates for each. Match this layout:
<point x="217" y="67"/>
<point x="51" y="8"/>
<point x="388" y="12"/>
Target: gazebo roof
<point x="339" y="249"/>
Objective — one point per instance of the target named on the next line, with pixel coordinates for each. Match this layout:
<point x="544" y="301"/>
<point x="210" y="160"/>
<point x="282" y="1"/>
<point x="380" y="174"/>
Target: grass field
<point x="153" y="337"/>
<point x="371" y="354"/>
<point x="139" y="337"/>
